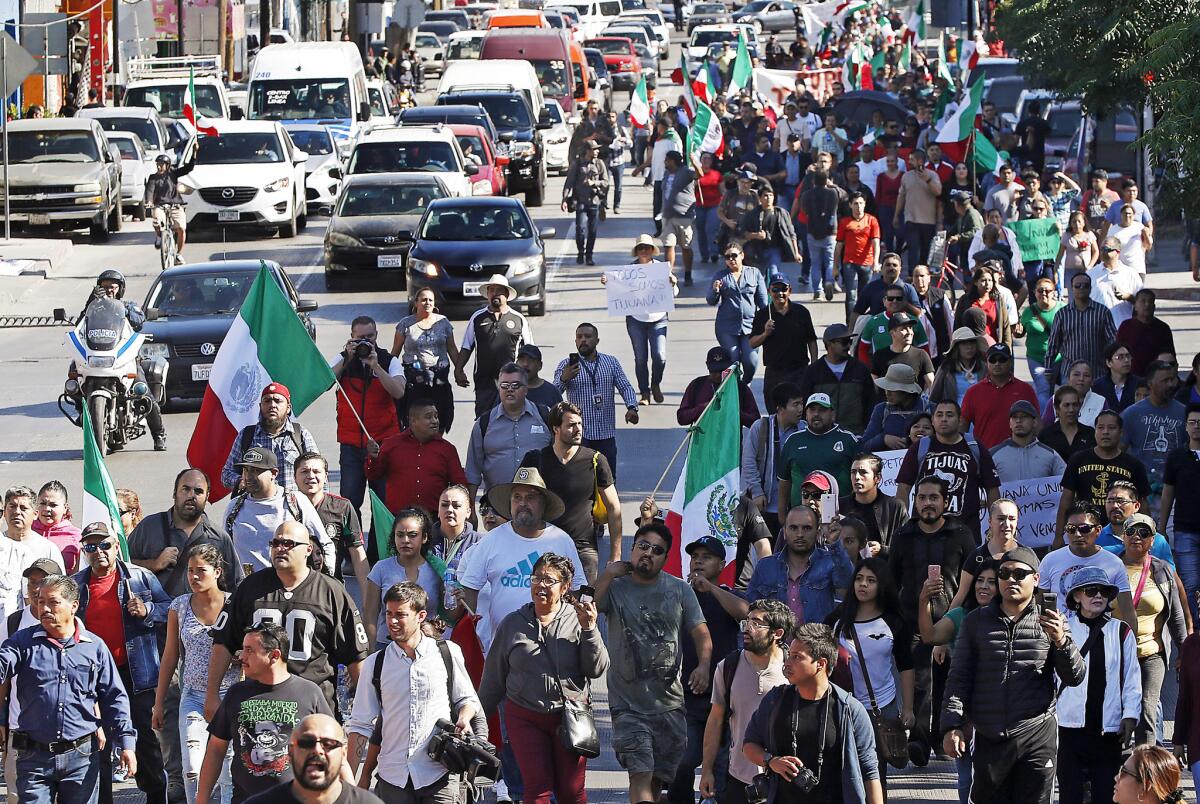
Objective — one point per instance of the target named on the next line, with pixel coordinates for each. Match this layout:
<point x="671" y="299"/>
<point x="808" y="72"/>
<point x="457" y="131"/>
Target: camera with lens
<point x="805" y="780"/>
<point x="363" y="348"/>
<point x="473" y="758"/>
<point x="759" y="789"/>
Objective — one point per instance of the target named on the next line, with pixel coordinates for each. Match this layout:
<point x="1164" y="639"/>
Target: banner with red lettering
<point x="774" y="86"/>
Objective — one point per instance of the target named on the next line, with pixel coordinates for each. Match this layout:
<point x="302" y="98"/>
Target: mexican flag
<point x="710" y="483"/>
<point x="943" y="68"/>
<point x="742" y="69"/>
<point x="189" y="107"/>
<point x="266" y="343"/>
<point x="968" y="58"/>
<point x="914" y="26"/>
<point x="904" y="65"/>
<point x="843" y="12"/>
<point x="685" y="80"/>
<point x="987" y="158"/>
<point x="956" y="131"/>
<point x="639" y="105"/>
<point x="99" y="494"/>
<point x="856" y="70"/>
<point x="705" y="135"/>
<point x="702" y="86"/>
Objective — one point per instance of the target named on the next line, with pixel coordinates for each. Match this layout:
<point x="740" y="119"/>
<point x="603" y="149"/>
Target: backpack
<point x="14" y="621"/>
<point x="246" y="440"/>
<point x="728" y="673"/>
<point x="485" y="420"/>
<point x="925" y="442"/>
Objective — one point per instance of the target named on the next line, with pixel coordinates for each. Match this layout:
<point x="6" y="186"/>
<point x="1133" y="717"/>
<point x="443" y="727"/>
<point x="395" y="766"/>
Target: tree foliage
<point x="1171" y="70"/>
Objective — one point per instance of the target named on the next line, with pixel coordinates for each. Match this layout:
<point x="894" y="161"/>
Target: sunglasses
<point x="511" y="386"/>
<point x="1139" y="534"/>
<point x="893" y="298"/>
<point x="1084" y="529"/>
<point x="999" y="359"/>
<point x="733" y="255"/>
<point x="654" y="549"/>
<point x="1017" y="575"/>
<point x="1095" y="590"/>
<point x="757" y="625"/>
<point x="308" y="743"/>
<point x="286" y="544"/>
<point x="812" y="495"/>
<point x="92" y="548"/>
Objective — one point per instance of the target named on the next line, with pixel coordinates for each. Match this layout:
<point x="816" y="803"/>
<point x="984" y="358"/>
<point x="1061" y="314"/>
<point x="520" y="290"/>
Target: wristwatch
<point x="767" y="757"/>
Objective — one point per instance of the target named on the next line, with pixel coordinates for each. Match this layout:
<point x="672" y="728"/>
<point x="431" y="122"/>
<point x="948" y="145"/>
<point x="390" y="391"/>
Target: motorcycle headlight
<point x="342" y="240"/>
<point x="525" y="266"/>
<point x="150" y="351"/>
<point x="423" y="267"/>
<point x="96" y="361"/>
<point x="71" y="387"/>
<point x="481" y="187"/>
<point x="277" y="185"/>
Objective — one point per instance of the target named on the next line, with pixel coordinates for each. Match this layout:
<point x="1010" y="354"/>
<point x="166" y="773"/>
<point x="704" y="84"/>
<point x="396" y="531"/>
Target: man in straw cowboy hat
<point x="504" y="560"/>
<point x="495" y="332"/>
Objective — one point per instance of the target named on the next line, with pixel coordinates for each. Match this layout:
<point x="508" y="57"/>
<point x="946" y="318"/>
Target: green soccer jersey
<point x="876" y="331"/>
<point x="805" y="452"/>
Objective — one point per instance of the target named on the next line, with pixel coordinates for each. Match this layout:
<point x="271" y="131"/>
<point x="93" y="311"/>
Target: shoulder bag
<point x="577" y="729"/>
<point x="891" y="738"/>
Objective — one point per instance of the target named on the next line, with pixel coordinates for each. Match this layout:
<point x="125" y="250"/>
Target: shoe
<point x="157" y="242"/>
<point x="590" y="260"/>
<point x="829" y="293"/>
<point x="616" y="210"/>
<point x="645" y="400"/>
<point x="918" y="754"/>
<point x="579" y="258"/>
<point x="816" y="295"/>
<point x="501" y="791"/>
<point x="179" y="259"/>
<point x="658" y="394"/>
<point x="687" y="280"/>
<point x="160" y="443"/>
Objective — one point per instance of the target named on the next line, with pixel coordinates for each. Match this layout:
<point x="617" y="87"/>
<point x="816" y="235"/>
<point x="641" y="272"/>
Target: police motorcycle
<point x="106" y="373"/>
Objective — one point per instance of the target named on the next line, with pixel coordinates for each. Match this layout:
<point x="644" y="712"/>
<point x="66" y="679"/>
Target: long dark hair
<point x="422" y="516"/>
<point x="888" y="597"/>
<point x="969" y="600"/>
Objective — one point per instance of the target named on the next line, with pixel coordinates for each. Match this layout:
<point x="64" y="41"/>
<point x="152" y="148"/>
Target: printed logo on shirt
<point x="264" y="729"/>
<point x="518" y="576"/>
<point x="838" y="446"/>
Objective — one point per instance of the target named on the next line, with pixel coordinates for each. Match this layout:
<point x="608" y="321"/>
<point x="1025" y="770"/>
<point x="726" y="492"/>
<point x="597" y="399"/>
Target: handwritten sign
<point x="642" y="288"/>
<point x="1037" y="509"/>
<point x="1038" y="238"/>
<point x="891" y="467"/>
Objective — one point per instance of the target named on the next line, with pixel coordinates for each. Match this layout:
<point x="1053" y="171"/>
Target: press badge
<point x="536" y="429"/>
<point x="598" y="400"/>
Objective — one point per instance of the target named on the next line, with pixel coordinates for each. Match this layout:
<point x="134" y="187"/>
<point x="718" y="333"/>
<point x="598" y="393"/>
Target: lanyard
<point x="592" y="373"/>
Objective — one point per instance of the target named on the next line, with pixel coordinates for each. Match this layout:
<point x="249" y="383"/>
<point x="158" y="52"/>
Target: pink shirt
<point x="64" y="536"/>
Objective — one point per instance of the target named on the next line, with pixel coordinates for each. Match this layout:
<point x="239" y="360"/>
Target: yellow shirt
<point x="1151" y="605"/>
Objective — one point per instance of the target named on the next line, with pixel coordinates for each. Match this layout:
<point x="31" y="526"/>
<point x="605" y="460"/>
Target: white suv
<point x="414" y="149"/>
<point x="250" y="175"/>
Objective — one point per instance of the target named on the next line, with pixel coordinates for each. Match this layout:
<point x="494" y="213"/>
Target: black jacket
<point x="911" y="553"/>
<point x="853" y="396"/>
<point x="164" y="188"/>
<point x="1002" y="677"/>
<point x="889" y="514"/>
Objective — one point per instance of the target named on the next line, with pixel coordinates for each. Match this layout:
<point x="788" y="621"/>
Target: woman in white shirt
<point x="1134" y="238"/>
<point x="1115" y="282"/>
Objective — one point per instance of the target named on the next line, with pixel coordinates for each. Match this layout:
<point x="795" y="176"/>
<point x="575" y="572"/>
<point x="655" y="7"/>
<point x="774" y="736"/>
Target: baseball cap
<point x="779" y="279"/>
<point x="277" y="388"/>
<point x="1022" y="406"/>
<point x="257" y="458"/>
<point x="1141" y="519"/>
<point x="901" y="320"/>
<point x="1022" y="555"/>
<point x="710" y="543"/>
<point x="718" y="359"/>
<point x="1000" y="349"/>
<point x="818" y="479"/>
<point x="95" y="529"/>
<point x="835" y="332"/>
<point x="530" y="351"/>
<point x="819" y="399"/>
<point x="46" y="565"/>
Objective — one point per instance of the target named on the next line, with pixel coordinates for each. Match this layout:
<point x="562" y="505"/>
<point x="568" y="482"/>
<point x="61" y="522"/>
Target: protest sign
<point x="1038" y="238"/>
<point x="891" y="467"/>
<point x="1037" y="509"/>
<point x="641" y="288"/>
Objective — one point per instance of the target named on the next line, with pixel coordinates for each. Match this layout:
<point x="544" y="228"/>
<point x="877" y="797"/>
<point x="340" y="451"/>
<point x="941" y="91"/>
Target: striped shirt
<point x="593" y="391"/>
<point x="1081" y="335"/>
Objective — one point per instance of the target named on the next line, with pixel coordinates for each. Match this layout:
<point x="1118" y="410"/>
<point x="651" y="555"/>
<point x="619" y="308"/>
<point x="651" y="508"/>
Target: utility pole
<point x="264" y="23"/>
<point x="223" y="37"/>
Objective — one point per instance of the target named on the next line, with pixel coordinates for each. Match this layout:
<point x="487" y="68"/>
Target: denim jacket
<point x="141" y="644"/>
<point x="738" y="300"/>
<point x="828" y="569"/>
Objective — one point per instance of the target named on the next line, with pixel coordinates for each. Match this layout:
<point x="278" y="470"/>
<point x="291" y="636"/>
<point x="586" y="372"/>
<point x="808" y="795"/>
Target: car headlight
<point x="342" y="240"/>
<point x="423" y="267"/>
<point x="526" y="265"/>
<point x="150" y="351"/>
<point x="91" y="187"/>
<point x="557" y="140"/>
<point x="481" y="187"/>
<point x="277" y="185"/>
<point x="521" y="148"/>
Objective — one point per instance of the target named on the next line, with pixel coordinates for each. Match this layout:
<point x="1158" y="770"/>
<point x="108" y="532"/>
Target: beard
<point x="525" y="519"/>
<point x="323" y="783"/>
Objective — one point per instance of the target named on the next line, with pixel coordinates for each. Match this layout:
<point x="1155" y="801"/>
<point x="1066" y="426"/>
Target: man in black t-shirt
<point x="318" y="749"/>
<point x="494" y="334"/>
<point x="258" y="715"/>
<point x="577" y="475"/>
<point x="338" y="516"/>
<point x="901" y="350"/>
<point x="785" y="331"/>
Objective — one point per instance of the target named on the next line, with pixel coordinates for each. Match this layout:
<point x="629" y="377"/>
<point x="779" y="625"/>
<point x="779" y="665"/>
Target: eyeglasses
<point x="1139" y="534"/>
<point x="1119" y="501"/>
<point x="757" y="625"/>
<point x="286" y="544"/>
<point x="1018" y="575"/>
<point x="92" y="548"/>
<point x="655" y="549"/>
<point x="998" y="359"/>
<point x="1083" y="529"/>
<point x="308" y="743"/>
<point x="811" y="495"/>
<point x="511" y="386"/>
<point x="544" y="580"/>
<point x="1127" y="772"/>
<point x="733" y="255"/>
<point x="1112" y="251"/>
<point x="1095" y="591"/>
<point x="893" y="298"/>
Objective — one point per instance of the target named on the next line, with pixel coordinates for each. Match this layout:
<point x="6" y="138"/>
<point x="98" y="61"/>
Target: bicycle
<point x="168" y="249"/>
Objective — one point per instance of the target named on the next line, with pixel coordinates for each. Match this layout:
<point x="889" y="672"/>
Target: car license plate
<point x="472" y="288"/>
<point x="39" y="219"/>
<point x="224" y="215"/>
<point x="390" y="261"/>
<point x="200" y="372"/>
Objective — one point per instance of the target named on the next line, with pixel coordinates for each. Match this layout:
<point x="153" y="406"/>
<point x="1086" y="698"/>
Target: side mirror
<point x="300" y="157"/>
<point x="325" y="209"/>
<point x="542" y="125"/>
<point x="471" y="169"/>
<point x="405" y="234"/>
<point x="60" y="314"/>
<point x="153" y="314"/>
<point x="236" y="113"/>
<point x="114" y="153"/>
<point x="506" y="136"/>
<point x="592" y="83"/>
<point x="547" y="233"/>
<point x="305" y="306"/>
<point x="364" y="112"/>
<point x="335" y="173"/>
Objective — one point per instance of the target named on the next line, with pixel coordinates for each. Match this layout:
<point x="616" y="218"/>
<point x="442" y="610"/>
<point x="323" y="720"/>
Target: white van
<point x="462" y="76"/>
<point x="594" y="15"/>
<point x="311" y="82"/>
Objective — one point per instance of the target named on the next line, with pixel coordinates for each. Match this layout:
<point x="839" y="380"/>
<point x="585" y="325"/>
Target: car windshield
<point x="580" y="8"/>
<point x="147" y="132"/>
<point x="471" y="143"/>
<point x="466" y="48"/>
<point x="403" y="157"/>
<point x="237" y="148"/>
<point x="428" y="40"/>
<point x="51" y="146"/>
<point x="375" y="94"/>
<point x="299" y="99"/>
<point x="1063" y="122"/>
<point x="199" y="295"/>
<point x="551" y="74"/>
<point x="709" y="8"/>
<point x="168" y="100"/>
<point x="555" y="21"/>
<point x="611" y="47"/>
<point x="313" y="143"/>
<point x="506" y="111"/>
<point x="476" y="223"/>
<point x="706" y="38"/>
<point x="388" y="199"/>
<point x="643" y="53"/>
<point x="126" y="147"/>
<point x="1005" y="94"/>
<point x="553" y="113"/>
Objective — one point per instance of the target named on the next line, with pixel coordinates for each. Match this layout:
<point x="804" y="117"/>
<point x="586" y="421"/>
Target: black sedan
<point x="462" y="241"/>
<point x="362" y="235"/>
<point x="189" y="310"/>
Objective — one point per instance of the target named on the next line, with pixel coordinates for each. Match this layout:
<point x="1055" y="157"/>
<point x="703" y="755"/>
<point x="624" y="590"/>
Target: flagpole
<point x="735" y="371"/>
<point x="971" y="154"/>
<point x="352" y="410"/>
<point x="671" y="463"/>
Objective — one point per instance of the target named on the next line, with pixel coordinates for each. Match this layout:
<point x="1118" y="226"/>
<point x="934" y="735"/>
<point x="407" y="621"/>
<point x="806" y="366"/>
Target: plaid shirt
<point x="1081" y="335"/>
<point x="284" y="447"/>
<point x="593" y="390"/>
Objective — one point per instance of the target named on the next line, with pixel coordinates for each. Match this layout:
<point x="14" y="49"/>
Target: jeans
<point x="919" y="236"/>
<point x="802" y="240"/>
<point x="193" y="741"/>
<point x="1187" y="564"/>
<point x="963" y="766"/>
<point x="708" y="226"/>
<point x="682" y="788"/>
<point x="1153" y="669"/>
<point x="43" y="778"/>
<point x="547" y="766"/>
<point x="443" y="791"/>
<point x="853" y="277"/>
<point x="890" y="234"/>
<point x="649" y="341"/>
<point x="617" y="174"/>
<point x="151" y="771"/>
<point x="738" y="346"/>
<point x="353" y="486"/>
<point x="1041" y="381"/>
<point x="820" y="250"/>
<point x="772" y="261"/>
<point x="1084" y="756"/>
<point x="587" y="219"/>
<point x="606" y="447"/>
<point x="657" y="206"/>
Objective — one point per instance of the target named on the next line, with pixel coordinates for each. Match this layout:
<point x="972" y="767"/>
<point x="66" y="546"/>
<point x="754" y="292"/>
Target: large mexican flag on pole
<point x="266" y="343"/>
<point x="99" y="495"/>
<point x="710" y="484"/>
<point x="189" y="107"/>
<point x="705" y="135"/>
<point x="639" y="105"/>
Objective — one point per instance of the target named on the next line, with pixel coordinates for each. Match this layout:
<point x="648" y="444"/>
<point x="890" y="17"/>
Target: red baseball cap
<point x="818" y="479"/>
<point x="277" y="388"/>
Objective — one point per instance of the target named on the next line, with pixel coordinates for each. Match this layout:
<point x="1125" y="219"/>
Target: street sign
<point x="18" y="63"/>
<point x="47" y="33"/>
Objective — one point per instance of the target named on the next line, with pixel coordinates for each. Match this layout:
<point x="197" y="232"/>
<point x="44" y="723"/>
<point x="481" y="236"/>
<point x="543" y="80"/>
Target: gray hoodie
<point x="524" y="657"/>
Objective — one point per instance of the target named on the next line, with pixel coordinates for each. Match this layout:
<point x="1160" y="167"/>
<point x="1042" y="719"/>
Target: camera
<point x="363" y="348"/>
<point x="759" y="789"/>
<point x="805" y="780"/>
<point x="473" y="758"/>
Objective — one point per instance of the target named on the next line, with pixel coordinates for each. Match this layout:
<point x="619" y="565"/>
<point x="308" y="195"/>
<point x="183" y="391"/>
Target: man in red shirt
<point x="417" y="463"/>
<point x="856" y="254"/>
<point x="943" y="169"/>
<point x="986" y="404"/>
<point x="1146" y="336"/>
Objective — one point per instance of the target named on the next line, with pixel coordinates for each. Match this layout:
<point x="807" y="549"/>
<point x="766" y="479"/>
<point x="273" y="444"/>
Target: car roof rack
<point x="467" y="89"/>
<point x="145" y="67"/>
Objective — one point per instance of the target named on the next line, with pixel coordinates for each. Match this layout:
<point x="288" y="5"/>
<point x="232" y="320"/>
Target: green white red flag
<point x="189" y="108"/>
<point x="954" y="134"/>
<point x="639" y="105"/>
<point x="914" y="26"/>
<point x="943" y="68"/>
<point x="99" y="495"/>
<point x="743" y="69"/>
<point x="987" y="158"/>
<point x="710" y="484"/>
<point x="705" y="134"/>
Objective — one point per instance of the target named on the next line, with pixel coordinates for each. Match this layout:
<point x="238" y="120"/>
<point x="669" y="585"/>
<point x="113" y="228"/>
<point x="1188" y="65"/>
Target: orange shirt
<point x="856" y="238"/>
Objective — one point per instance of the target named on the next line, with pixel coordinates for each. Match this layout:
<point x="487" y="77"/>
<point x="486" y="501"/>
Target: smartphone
<point x="585" y="594"/>
<point x="935" y="572"/>
<point x="1049" y="600"/>
<point x="828" y="507"/>
<point x="573" y="358"/>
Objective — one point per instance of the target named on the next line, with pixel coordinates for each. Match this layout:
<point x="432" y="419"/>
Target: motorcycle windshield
<point x="104" y="324"/>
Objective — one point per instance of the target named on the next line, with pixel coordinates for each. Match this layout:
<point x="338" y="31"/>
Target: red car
<point x="621" y="59"/>
<point x="474" y="141"/>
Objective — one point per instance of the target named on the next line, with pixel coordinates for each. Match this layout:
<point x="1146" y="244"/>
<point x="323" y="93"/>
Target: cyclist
<point x="166" y="204"/>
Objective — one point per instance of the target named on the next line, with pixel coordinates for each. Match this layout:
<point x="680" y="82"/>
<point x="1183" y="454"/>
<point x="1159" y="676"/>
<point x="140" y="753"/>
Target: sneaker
<point x="616" y="210"/>
<point x="160" y="443"/>
<point x="579" y="258"/>
<point x="829" y="293"/>
<point x="501" y="790"/>
<point x="590" y="260"/>
<point x="157" y="242"/>
<point x="918" y="754"/>
<point x="816" y="295"/>
<point x="658" y="394"/>
<point x="645" y="400"/>
<point x="179" y="259"/>
<point x="687" y="280"/>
